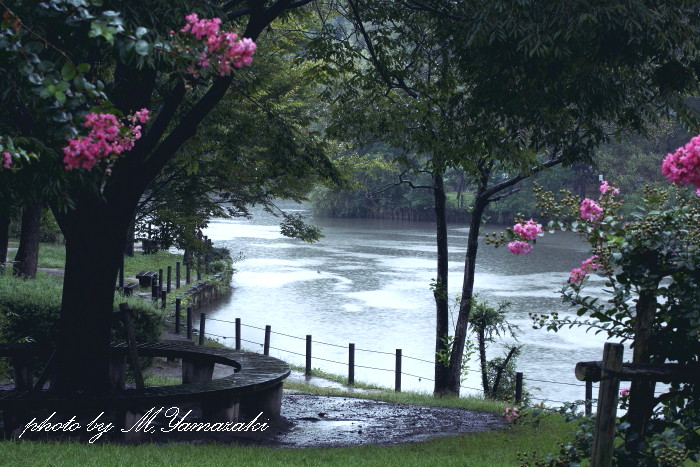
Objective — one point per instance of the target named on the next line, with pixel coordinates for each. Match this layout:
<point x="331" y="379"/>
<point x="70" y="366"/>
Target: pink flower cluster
<point x="6" y="160"/>
<point x="605" y="187"/>
<point x="624" y="392"/>
<point x="527" y="231"/>
<point x="587" y="265"/>
<point x="511" y="415"/>
<point x="107" y="137"/>
<point x="224" y="51"/>
<point x="590" y="209"/>
<point x="683" y="166"/>
<point x="519" y="247"/>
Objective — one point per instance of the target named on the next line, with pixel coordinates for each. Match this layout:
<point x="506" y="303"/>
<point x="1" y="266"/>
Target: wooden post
<point x="238" y="333"/>
<point x="177" y="275"/>
<point x="187" y="273"/>
<point x="589" y="397"/>
<point x="170" y="274"/>
<point x="397" y="375"/>
<point x="160" y="280"/>
<point x="351" y="364"/>
<point x="308" y="355"/>
<point x="178" y="305"/>
<point x="163" y="297"/>
<point x="603" y="436"/>
<point x="266" y="345"/>
<point x="518" y="387"/>
<point x="189" y="322"/>
<point x="202" y="324"/>
<point x="154" y="288"/>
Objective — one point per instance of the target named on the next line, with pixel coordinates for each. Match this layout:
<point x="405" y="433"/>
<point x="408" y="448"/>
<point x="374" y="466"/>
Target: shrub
<point x="30" y="309"/>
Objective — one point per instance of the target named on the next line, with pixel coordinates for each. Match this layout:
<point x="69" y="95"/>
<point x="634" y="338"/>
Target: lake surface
<point x="368" y="282"/>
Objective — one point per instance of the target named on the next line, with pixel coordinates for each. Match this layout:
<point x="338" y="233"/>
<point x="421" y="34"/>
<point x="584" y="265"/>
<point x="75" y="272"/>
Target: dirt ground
<point x="307" y="421"/>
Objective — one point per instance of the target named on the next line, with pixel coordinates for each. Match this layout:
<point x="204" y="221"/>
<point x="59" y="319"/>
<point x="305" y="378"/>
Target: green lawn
<point x="490" y="449"/>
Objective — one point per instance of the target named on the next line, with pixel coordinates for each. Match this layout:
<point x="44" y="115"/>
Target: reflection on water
<point x="367" y="282"/>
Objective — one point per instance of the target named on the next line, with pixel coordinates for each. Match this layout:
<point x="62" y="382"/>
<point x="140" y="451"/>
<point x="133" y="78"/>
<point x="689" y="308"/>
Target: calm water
<point x="367" y="282"/>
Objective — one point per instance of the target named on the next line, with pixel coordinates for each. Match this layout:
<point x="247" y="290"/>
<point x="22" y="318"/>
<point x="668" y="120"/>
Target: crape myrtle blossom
<point x="605" y="187"/>
<point x="519" y="247"/>
<point x="107" y="139"/>
<point x="683" y="166"/>
<point x="587" y="265"/>
<point x="6" y="160"/>
<point x="224" y="50"/>
<point x="590" y="210"/>
<point x="528" y="230"/>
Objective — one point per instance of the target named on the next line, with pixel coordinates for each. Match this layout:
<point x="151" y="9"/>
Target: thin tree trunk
<point x="482" y="361"/>
<point x="465" y="305"/>
<point x="440" y="292"/>
<point x="4" y="237"/>
<point x="27" y="257"/>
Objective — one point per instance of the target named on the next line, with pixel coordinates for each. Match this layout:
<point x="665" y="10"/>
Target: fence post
<point x="518" y="387"/>
<point x="589" y="397"/>
<point x="603" y="436"/>
<point x="154" y="289"/>
<point x="178" y="305"/>
<point x="308" y="355"/>
<point x="170" y="275"/>
<point x="266" y="345"/>
<point x="163" y="296"/>
<point x="238" y="333"/>
<point x="202" y="324"/>
<point x="187" y="273"/>
<point x="189" y="322"/>
<point x="351" y="364"/>
<point x="397" y="384"/>
<point x="160" y="280"/>
<point x="177" y="275"/>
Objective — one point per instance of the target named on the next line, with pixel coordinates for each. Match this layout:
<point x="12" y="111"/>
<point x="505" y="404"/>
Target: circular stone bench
<point x="255" y="387"/>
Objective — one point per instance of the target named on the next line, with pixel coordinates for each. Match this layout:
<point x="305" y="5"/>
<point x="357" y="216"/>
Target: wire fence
<point x="351" y="364"/>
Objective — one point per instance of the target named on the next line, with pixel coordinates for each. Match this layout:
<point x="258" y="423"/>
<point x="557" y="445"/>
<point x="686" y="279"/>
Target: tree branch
<point x="521" y="176"/>
<point x="503" y="196"/>
<point x="374" y="58"/>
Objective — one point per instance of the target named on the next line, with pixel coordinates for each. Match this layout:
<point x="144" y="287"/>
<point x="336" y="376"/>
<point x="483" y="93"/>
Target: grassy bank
<point x="491" y="449"/>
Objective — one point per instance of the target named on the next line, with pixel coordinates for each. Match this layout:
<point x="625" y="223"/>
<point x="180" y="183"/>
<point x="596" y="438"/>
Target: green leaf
<point x="68" y="71"/>
<point x="140" y="31"/>
<point x="60" y="97"/>
<point x="83" y="67"/>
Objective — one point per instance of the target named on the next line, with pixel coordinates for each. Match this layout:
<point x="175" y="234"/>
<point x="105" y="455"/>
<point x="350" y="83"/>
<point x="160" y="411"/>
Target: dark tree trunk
<point x="465" y="305"/>
<point x="641" y="392"/>
<point x="4" y="237"/>
<point x="93" y="230"/>
<point x="440" y="292"/>
<point x="27" y="257"/>
<point x="482" y="361"/>
<point x="129" y="248"/>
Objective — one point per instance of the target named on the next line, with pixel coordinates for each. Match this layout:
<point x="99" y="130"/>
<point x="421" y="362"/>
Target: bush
<point x="29" y="312"/>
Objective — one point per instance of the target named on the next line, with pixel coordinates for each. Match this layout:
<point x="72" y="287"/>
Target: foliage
<point x="651" y="269"/>
<point x="504" y="89"/>
<point x="30" y="311"/>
